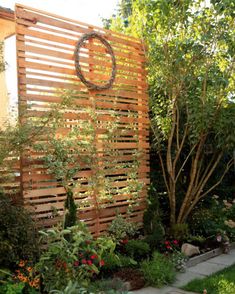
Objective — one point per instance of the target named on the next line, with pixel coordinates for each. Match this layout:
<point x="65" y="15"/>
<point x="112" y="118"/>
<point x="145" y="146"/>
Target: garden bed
<point x="205" y="256"/>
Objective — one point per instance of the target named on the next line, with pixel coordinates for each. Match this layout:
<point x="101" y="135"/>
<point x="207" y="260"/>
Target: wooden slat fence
<point x="46" y="67"/>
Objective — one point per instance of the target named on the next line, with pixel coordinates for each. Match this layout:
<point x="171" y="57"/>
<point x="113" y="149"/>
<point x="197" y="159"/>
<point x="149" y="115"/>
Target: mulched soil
<point x="133" y="276"/>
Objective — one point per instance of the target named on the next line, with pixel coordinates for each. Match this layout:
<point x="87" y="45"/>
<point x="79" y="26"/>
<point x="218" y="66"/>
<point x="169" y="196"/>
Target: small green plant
<point x="153" y="227"/>
<point x="14" y="283"/>
<point x="179" y="260"/>
<point x="12" y="288"/>
<point x="71" y="288"/>
<point x="18" y="235"/>
<point x="127" y="261"/>
<point x="70" y="217"/>
<point x="137" y="249"/>
<point x="120" y="229"/>
<point x="196" y="240"/>
<point x="109" y="286"/>
<point x="159" y="271"/>
<point x="77" y="258"/>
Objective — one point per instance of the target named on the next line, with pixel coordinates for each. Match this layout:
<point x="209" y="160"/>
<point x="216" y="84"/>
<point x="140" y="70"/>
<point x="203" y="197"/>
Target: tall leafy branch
<point x="191" y="78"/>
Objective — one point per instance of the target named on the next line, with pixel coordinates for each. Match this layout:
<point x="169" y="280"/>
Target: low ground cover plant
<point x="18" y="234"/>
<point x="219" y="283"/>
<point x="78" y="258"/>
<point x="158" y="271"/>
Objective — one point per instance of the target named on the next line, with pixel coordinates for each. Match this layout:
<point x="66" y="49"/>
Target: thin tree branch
<point x="228" y="166"/>
<point x="164" y="172"/>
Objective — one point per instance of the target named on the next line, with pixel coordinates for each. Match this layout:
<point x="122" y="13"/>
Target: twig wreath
<point x="79" y="44"/>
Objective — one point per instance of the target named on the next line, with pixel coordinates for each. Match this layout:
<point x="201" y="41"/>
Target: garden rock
<point x="189" y="250"/>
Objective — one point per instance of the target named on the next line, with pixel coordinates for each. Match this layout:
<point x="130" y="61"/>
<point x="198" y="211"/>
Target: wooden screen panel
<point x="46" y="68"/>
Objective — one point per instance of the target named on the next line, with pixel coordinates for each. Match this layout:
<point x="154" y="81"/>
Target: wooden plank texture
<point x="46" y="70"/>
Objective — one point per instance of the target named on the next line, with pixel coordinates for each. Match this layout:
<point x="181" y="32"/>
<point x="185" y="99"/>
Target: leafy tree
<point x="2" y="63"/>
<point x="191" y="77"/>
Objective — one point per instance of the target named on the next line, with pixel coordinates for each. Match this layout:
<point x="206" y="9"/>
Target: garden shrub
<point x="137" y="249"/>
<point x="180" y="231"/>
<point x="179" y="260"/>
<point x="127" y="261"/>
<point x="169" y="246"/>
<point x="113" y="262"/>
<point x="158" y="271"/>
<point x="121" y="229"/>
<point x="18" y="236"/>
<point x="14" y="283"/>
<point x="70" y="217"/>
<point x="77" y="258"/>
<point x="153" y="227"/>
<point x="216" y="216"/>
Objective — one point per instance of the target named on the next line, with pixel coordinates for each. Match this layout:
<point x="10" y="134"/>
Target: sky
<point x="88" y="11"/>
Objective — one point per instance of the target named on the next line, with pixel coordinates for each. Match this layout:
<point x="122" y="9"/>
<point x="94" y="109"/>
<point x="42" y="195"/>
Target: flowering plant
<point x="170" y="246"/>
<point x="26" y="274"/>
<point x="72" y="255"/>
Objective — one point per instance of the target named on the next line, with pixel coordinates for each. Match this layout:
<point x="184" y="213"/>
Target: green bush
<point x="137" y="249"/>
<point x="179" y="260"/>
<point x="127" y="261"/>
<point x="158" y="271"/>
<point x="77" y="258"/>
<point x="112" y="262"/>
<point x="115" y="261"/>
<point x="18" y="236"/>
<point x="208" y="220"/>
<point x="121" y="229"/>
<point x="180" y="231"/>
<point x="152" y="222"/>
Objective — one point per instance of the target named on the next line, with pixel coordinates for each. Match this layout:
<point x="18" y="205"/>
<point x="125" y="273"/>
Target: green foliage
<point x="112" y="262"/>
<point x="215" y="216"/>
<point x="180" y="231"/>
<point x="121" y="229"/>
<point x="196" y="240"/>
<point x="10" y="285"/>
<point x="12" y="288"/>
<point x="18" y="234"/>
<point x="71" y="288"/>
<point x="126" y="261"/>
<point x="191" y="78"/>
<point x="115" y="261"/>
<point x="2" y="63"/>
<point x="179" y="260"/>
<point x="110" y="286"/>
<point x="137" y="249"/>
<point x="153" y="227"/>
<point x="77" y="258"/>
<point x="220" y="283"/>
<point x="159" y="271"/>
<point x="78" y="148"/>
<point x="70" y="211"/>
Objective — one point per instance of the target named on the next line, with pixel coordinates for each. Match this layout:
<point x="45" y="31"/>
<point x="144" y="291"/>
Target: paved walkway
<point x="201" y="270"/>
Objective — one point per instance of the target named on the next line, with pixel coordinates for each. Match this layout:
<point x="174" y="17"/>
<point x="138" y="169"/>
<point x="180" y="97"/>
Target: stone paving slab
<point x="185" y="278"/>
<point x="224" y="259"/>
<point x="206" y="268"/>
<point x="200" y="270"/>
<point x="164" y="290"/>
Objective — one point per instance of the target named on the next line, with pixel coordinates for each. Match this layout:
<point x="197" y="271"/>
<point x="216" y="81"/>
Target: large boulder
<point x="189" y="250"/>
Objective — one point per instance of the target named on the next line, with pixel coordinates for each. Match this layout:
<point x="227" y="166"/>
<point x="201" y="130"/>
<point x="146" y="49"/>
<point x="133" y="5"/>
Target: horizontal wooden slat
<point x="46" y="72"/>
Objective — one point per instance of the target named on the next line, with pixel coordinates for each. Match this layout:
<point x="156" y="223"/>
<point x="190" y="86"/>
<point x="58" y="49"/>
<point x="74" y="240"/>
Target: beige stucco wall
<point x="7" y="29"/>
<point x="4" y="100"/>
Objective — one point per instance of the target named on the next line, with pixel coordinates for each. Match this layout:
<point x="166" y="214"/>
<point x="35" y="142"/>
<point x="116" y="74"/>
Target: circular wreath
<point x="79" y="44"/>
